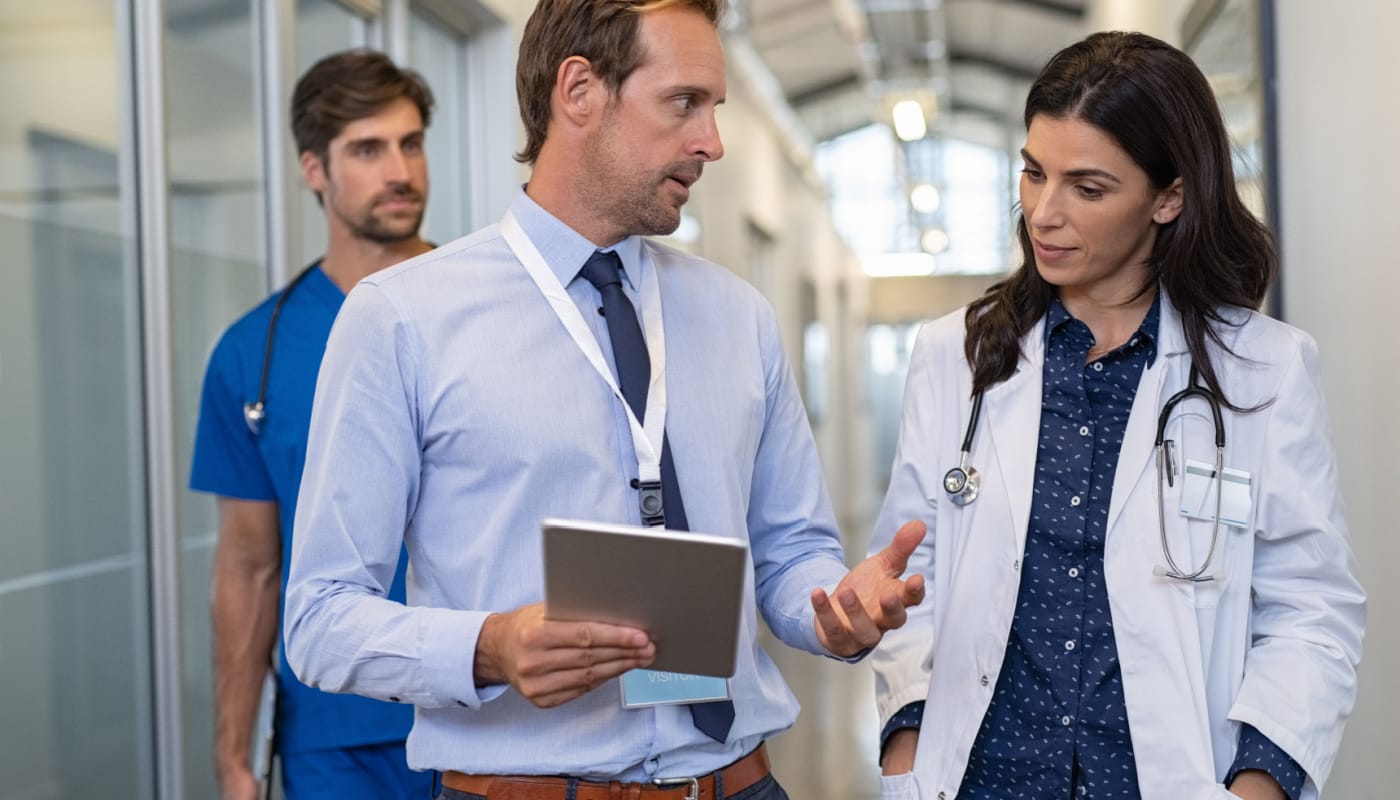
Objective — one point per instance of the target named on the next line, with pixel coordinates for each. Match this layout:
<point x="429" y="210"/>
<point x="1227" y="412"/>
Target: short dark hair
<point x="602" y="31"/>
<point x="1155" y="103"/>
<point x="348" y="86"/>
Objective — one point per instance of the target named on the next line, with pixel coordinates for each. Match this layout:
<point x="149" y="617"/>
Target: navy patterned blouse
<point x="1057" y="725"/>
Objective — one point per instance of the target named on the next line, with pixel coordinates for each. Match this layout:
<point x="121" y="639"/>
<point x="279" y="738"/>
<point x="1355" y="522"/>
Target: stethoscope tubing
<point x="255" y="413"/>
<point x="962" y="482"/>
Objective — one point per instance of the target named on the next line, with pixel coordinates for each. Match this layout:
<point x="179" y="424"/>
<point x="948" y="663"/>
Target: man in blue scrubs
<point x="359" y="124"/>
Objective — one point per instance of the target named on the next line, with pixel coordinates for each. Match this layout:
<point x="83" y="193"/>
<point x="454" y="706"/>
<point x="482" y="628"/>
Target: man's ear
<point x="578" y="92"/>
<point x="313" y="171"/>
<point x="1169" y="202"/>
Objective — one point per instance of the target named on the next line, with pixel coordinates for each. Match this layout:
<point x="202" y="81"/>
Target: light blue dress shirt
<point x="453" y="413"/>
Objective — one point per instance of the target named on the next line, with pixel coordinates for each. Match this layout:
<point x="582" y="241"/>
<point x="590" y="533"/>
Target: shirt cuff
<point x="1257" y="751"/>
<point x="911" y="716"/>
<point x="800" y="631"/>
<point x="449" y="658"/>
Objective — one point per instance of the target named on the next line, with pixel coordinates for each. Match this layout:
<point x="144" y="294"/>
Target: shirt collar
<point x="564" y="249"/>
<point x="1056" y="316"/>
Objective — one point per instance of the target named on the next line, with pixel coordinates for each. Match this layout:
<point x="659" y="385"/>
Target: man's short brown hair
<point x="602" y="31"/>
<point x="348" y="86"/>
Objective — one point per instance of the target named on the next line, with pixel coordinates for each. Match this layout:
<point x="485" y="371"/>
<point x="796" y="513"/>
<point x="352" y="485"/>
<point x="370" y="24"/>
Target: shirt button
<point x="984" y="680"/>
<point x="1084" y="430"/>
<point x="1069" y="645"/>
<point x="394" y="699"/>
<point x="1075" y="501"/>
<point x="1098" y="366"/>
<point x="1074" y="572"/>
<point x="1065" y="721"/>
<point x="460" y="703"/>
<point x="942" y="796"/>
<point x="1016" y="564"/>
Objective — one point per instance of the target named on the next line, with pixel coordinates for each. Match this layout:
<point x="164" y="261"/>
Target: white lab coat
<point x="1197" y="659"/>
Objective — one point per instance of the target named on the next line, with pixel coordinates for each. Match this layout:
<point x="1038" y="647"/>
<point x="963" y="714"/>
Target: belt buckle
<point x="692" y="791"/>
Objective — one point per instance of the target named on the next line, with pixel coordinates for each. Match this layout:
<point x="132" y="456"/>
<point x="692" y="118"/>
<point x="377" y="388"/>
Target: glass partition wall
<point x="96" y="423"/>
<point x="73" y="603"/>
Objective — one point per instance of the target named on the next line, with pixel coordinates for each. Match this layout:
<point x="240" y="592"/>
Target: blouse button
<point x="1098" y="366"/>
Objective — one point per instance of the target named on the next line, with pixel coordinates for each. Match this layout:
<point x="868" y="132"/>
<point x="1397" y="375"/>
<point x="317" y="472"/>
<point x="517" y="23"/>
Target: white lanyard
<point x="646" y="439"/>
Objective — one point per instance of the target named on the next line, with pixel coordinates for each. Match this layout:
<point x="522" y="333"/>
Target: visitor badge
<point x="644" y="687"/>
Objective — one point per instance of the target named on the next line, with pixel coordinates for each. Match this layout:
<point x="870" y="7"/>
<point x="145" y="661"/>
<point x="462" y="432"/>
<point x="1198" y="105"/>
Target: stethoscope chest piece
<point x="253" y="414"/>
<point x="962" y="483"/>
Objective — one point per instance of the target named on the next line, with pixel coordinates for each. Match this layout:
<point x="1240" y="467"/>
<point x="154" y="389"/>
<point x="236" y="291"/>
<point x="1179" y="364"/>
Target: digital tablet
<point x="684" y="589"/>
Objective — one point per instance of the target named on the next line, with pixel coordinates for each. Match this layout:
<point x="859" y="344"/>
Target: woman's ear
<point x="1169" y="202"/>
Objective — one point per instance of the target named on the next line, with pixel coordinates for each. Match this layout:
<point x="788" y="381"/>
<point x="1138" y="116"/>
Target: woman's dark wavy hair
<point x="1155" y="103"/>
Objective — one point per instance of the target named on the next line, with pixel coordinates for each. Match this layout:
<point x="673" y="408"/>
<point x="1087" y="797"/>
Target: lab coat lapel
<point x="1140" y="436"/>
<point x="1012" y="419"/>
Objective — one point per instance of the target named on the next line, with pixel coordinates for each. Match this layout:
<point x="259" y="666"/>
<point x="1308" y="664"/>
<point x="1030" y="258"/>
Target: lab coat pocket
<point x="899" y="787"/>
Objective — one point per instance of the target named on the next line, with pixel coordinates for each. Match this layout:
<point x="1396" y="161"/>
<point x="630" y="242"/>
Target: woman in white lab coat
<point x="1073" y="642"/>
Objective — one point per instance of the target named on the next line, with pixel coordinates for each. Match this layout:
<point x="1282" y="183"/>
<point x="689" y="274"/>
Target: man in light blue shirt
<point x="456" y="408"/>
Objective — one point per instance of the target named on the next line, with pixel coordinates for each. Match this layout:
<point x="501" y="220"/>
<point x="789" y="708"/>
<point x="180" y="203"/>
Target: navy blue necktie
<point x="603" y="270"/>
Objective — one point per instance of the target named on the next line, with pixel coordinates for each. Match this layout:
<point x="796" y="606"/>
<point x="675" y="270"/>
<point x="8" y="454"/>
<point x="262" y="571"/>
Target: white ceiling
<point x="841" y="62"/>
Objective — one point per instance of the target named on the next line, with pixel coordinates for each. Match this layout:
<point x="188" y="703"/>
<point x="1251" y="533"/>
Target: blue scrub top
<point x="230" y="461"/>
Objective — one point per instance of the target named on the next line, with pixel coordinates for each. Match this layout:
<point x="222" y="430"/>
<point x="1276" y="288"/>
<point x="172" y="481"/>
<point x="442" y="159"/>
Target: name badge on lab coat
<point x="1198" y="494"/>
<point x="645" y="687"/>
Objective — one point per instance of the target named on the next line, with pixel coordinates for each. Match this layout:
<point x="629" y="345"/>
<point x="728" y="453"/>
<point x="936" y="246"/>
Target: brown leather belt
<point x="734" y="778"/>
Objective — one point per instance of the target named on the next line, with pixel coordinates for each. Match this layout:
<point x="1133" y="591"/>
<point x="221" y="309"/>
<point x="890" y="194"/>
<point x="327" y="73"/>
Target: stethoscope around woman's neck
<point x="963" y="483"/>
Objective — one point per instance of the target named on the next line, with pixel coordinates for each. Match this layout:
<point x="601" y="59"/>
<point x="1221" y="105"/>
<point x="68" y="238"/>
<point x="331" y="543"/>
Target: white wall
<point x="1160" y="18"/>
<point x="1337" y="121"/>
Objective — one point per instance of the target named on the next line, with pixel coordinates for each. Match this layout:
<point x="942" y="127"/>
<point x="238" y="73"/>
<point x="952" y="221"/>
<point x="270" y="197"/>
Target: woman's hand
<point x="1256" y="784"/>
<point x="898" y="757"/>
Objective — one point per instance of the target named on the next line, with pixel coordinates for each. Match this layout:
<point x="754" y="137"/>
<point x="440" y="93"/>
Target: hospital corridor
<point x="210" y="340"/>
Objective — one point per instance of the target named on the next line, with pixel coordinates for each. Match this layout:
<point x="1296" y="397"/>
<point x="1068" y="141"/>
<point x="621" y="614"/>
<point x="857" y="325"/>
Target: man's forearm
<point x="244" y="616"/>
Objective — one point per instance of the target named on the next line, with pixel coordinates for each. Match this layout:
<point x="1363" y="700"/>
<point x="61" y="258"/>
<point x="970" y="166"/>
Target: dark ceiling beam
<point x="963" y="106"/>
<point x="1067" y="9"/>
<point x="823" y="91"/>
<point x="1006" y="68"/>
<point x="1063" y="8"/>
